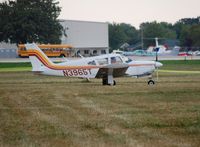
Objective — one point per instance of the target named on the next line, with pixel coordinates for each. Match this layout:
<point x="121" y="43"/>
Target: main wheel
<point x="114" y="82"/>
<point x="104" y="81"/>
<point x="151" y="82"/>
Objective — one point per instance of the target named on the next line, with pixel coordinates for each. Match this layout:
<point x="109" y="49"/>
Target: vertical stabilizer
<point x="37" y="57"/>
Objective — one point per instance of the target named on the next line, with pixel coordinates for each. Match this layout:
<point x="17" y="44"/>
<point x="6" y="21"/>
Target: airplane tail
<point x="37" y="57"/>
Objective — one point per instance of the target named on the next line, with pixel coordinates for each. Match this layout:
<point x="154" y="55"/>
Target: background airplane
<point x="161" y="50"/>
<point x="106" y="67"/>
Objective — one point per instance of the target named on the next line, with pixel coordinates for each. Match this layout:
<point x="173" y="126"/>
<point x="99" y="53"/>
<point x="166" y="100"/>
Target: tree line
<point x="23" y="21"/>
<point x="186" y="30"/>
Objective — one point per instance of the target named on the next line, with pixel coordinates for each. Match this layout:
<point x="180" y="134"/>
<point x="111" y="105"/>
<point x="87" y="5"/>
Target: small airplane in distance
<point x="161" y="50"/>
<point x="106" y="67"/>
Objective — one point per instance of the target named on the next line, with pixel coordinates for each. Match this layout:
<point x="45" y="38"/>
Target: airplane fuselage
<point x="135" y="68"/>
<point x="105" y="67"/>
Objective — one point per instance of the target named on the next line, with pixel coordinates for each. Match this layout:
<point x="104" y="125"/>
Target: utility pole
<point x="142" y="43"/>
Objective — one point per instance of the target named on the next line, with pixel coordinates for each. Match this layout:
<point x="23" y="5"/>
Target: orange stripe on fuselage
<point x="48" y="64"/>
<point x="41" y="59"/>
<point x="38" y="55"/>
<point x="56" y="67"/>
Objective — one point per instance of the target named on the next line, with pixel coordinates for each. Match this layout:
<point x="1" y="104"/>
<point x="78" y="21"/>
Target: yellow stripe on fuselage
<point x="45" y="61"/>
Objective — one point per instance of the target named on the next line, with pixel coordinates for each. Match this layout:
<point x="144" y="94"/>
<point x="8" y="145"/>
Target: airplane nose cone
<point x="158" y="64"/>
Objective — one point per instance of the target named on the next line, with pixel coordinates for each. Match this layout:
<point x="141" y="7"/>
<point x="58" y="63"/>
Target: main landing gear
<point x="108" y="80"/>
<point x="105" y="81"/>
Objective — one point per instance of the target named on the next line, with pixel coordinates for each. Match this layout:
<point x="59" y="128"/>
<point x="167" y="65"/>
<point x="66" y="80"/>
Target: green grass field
<point x="55" y="111"/>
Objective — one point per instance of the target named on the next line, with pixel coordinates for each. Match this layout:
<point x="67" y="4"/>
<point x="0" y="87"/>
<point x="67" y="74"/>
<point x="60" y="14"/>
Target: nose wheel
<point x="151" y="82"/>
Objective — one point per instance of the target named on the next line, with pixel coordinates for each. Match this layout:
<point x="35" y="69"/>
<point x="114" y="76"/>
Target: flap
<point x="116" y="70"/>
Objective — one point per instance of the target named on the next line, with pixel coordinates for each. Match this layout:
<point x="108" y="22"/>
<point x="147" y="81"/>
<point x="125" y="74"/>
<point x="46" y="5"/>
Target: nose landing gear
<point x="151" y="82"/>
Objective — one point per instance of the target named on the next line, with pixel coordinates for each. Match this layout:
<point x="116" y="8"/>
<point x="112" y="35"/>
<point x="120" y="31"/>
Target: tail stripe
<point x="45" y="61"/>
<point x="55" y="67"/>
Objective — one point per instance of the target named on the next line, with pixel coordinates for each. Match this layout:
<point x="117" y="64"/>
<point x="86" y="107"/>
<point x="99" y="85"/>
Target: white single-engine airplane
<point x="106" y="66"/>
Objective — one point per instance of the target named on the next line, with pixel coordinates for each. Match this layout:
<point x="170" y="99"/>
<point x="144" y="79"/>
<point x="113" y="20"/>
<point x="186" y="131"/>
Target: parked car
<point x="184" y="54"/>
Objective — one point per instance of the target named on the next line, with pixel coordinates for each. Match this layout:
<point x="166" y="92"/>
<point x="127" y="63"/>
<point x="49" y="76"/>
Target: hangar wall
<point x="89" y="38"/>
<point x="8" y="50"/>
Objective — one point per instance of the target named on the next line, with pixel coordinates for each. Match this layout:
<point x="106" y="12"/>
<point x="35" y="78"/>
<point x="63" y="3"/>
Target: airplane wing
<point x="116" y="70"/>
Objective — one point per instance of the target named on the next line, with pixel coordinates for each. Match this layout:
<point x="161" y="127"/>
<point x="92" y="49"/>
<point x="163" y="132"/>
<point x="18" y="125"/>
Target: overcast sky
<point x="129" y="11"/>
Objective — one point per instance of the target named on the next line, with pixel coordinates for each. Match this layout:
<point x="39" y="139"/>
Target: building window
<point x="95" y="52"/>
<point x="103" y="51"/>
<point x="86" y="52"/>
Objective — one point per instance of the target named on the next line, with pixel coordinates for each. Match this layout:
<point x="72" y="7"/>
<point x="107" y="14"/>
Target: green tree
<point x="194" y="35"/>
<point x="122" y="33"/>
<point x="184" y="36"/>
<point x="187" y="31"/>
<point x="153" y="29"/>
<point x="190" y="21"/>
<point x="24" y="21"/>
<point x="132" y="35"/>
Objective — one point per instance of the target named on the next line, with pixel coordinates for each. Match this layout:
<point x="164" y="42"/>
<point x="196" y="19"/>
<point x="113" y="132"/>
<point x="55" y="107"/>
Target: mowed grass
<point x="55" y="111"/>
<point x="6" y="67"/>
<point x="184" y="65"/>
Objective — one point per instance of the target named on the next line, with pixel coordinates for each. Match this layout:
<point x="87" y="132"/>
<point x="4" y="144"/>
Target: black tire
<point x="114" y="82"/>
<point x="104" y="81"/>
<point x="151" y="82"/>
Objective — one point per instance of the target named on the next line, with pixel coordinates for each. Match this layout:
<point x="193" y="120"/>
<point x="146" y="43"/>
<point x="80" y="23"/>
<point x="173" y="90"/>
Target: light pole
<point x="157" y="53"/>
<point x="142" y="43"/>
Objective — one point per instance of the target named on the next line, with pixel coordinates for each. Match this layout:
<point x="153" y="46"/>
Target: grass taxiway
<point x="55" y="111"/>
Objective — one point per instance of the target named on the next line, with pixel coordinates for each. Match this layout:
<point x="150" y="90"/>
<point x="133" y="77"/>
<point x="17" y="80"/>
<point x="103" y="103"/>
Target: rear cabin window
<point x="86" y="51"/>
<point x="102" y="61"/>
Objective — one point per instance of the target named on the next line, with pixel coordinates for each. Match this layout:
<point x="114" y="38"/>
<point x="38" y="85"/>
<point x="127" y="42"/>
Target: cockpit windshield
<point x="116" y="60"/>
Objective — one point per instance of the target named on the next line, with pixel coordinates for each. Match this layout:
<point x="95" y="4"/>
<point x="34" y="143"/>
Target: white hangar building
<point x="87" y="38"/>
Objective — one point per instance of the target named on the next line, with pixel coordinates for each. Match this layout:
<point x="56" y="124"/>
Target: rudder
<point x="37" y="57"/>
